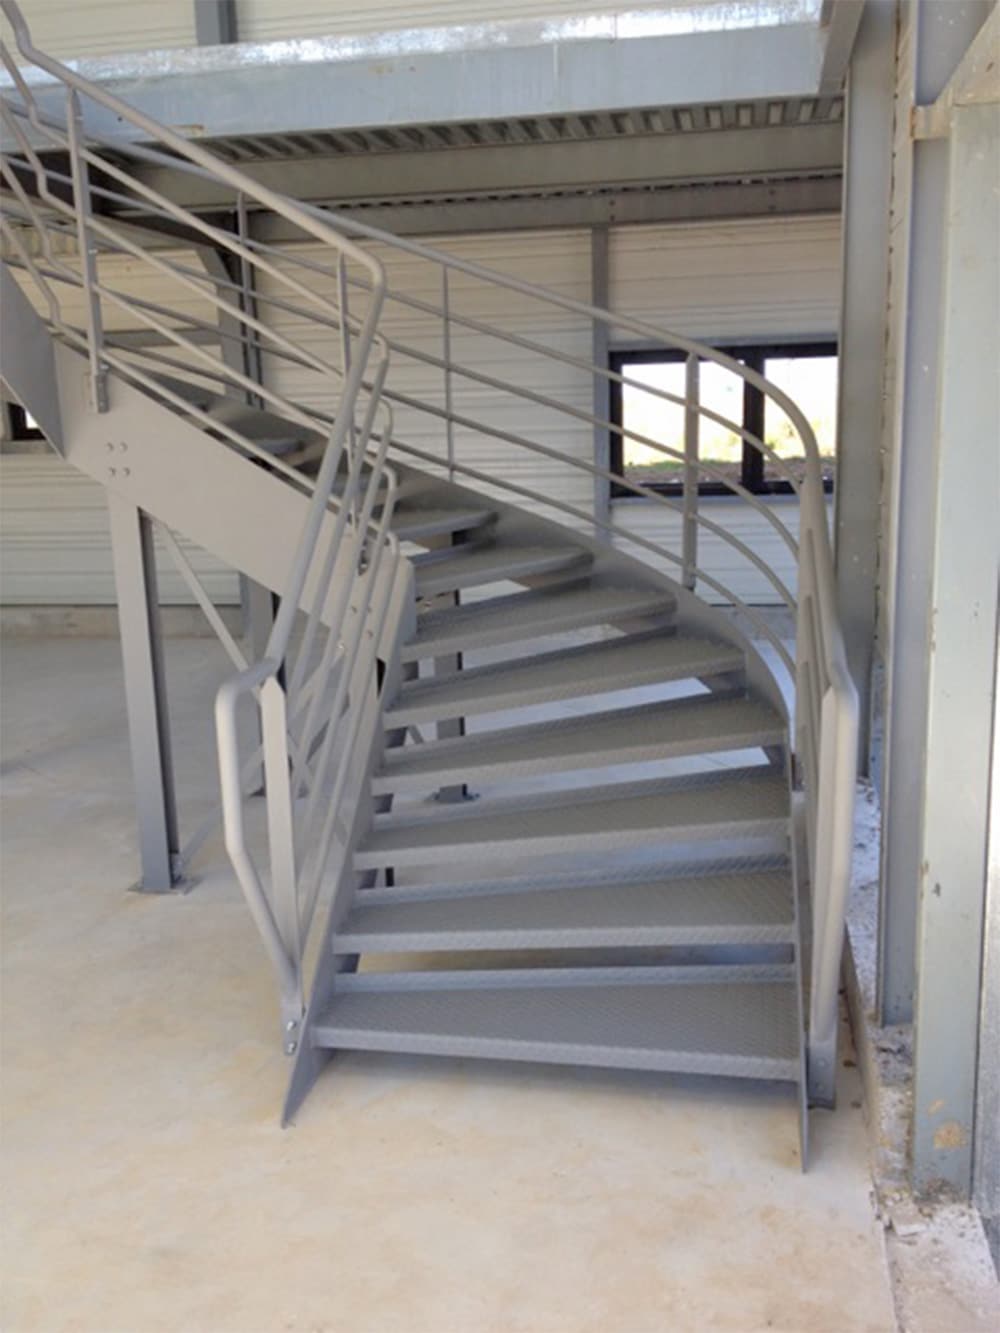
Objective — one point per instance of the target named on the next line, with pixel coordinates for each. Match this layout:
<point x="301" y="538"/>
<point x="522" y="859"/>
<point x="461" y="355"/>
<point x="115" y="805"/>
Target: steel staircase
<point x="553" y="805"/>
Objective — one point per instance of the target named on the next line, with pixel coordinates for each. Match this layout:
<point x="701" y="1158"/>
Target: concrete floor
<point x="149" y="1187"/>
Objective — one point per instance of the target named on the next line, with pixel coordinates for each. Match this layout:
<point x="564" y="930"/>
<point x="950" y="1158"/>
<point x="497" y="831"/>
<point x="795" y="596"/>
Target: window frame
<point x="754" y="355"/>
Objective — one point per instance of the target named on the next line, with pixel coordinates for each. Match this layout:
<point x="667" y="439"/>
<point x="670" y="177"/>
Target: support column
<point x="599" y="296"/>
<point x="964" y="544"/>
<point x="145" y="694"/>
<point x="864" y="302"/>
<point x="941" y="33"/>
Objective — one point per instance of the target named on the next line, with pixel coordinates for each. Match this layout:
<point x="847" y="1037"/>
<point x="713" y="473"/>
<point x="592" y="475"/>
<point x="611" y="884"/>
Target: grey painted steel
<point x="520" y="616"/>
<point x="87" y="250"/>
<point x="713" y="909"/>
<point x="734" y="803"/>
<point x="862" y="346"/>
<point x="599" y="347"/>
<point x="841" y="19"/>
<point x="692" y="430"/>
<point x="499" y="71"/>
<point x="28" y="367"/>
<point x="145" y="694"/>
<point x="942" y="33"/>
<point x="620" y="663"/>
<point x="215" y="22"/>
<point x="496" y="564"/>
<point x="986" y="1155"/>
<point x="952" y="838"/>
<point x="321" y="732"/>
<point x="411" y="524"/>
<point x="605" y="207"/>
<point x="677" y="728"/>
<point x="733" y="154"/>
<point x="738" y="1022"/>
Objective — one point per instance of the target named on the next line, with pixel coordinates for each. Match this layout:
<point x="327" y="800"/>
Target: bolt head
<point x="291" y="1047"/>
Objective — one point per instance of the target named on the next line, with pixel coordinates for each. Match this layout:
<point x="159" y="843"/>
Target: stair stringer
<point x="308" y="1059"/>
<point x="247" y="516"/>
<point x="693" y="615"/>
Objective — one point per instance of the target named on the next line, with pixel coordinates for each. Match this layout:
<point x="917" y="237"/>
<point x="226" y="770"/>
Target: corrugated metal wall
<point x="752" y="279"/>
<point x="76" y="29"/>
<point x="743" y="279"/>
<point x="737" y="279"/>
<point x="269" y="20"/>
<point x="55" y="545"/>
<point x="558" y="259"/>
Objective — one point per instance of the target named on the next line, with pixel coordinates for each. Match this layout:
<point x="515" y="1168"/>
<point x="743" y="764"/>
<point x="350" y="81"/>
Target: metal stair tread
<point x="495" y="564"/>
<point x="647" y="658"/>
<point x="749" y="908"/>
<point x="723" y="803"/>
<point x="413" y="524"/>
<point x="664" y="729"/>
<point x="737" y="1021"/>
<point x="525" y="615"/>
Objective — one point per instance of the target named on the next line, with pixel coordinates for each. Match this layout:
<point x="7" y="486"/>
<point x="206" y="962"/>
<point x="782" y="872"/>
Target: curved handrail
<point x="825" y="725"/>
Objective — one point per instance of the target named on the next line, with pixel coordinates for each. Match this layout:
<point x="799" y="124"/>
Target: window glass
<point x="720" y="391"/>
<point x="654" y="418"/>
<point x="812" y="382"/>
<point x="651" y="450"/>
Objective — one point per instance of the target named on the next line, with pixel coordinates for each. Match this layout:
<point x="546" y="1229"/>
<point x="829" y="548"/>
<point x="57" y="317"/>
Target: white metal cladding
<point x="271" y="20"/>
<point x="745" y="279"/>
<point x="78" y="29"/>
<point x="559" y="260"/>
<point x="54" y="543"/>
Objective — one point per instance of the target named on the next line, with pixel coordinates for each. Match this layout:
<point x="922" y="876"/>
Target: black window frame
<point x="754" y="356"/>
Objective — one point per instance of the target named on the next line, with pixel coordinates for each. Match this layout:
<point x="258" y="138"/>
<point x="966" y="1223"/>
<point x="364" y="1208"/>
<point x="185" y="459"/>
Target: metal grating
<point x="662" y="120"/>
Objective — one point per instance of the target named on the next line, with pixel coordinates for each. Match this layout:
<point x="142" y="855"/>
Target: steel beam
<point x="941" y="36"/>
<point x="862" y="344"/>
<point x="841" y="20"/>
<point x="489" y="71"/>
<point x="986" y="1154"/>
<point x="600" y="342"/>
<point x="964" y="543"/>
<point x="675" y="203"/>
<point x="145" y="694"/>
<point x="215" y="22"/>
<point x="776" y="151"/>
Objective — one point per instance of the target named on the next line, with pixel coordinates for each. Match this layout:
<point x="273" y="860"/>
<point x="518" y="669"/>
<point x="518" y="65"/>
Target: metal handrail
<point x="340" y="546"/>
<point x="825" y="722"/>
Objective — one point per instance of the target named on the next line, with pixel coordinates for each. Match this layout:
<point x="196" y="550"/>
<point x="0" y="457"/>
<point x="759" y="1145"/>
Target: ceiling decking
<point x="588" y="135"/>
<point x="537" y="129"/>
<point x="600" y="155"/>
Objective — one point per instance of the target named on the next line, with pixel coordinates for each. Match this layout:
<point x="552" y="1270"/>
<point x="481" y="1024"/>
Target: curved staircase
<point x="577" y="876"/>
<point x="555" y="805"/>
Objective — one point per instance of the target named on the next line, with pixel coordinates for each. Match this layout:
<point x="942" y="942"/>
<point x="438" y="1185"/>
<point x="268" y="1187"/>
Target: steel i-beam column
<point x="145" y="694"/>
<point x="942" y="31"/>
<point x="599" y="296"/>
<point x="864" y="300"/>
<point x="965" y="558"/>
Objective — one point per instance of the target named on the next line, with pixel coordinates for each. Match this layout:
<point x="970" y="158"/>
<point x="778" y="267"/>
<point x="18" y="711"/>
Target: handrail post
<point x="251" y="343"/>
<point x="446" y="357"/>
<point x="88" y="253"/>
<point x="689" y="549"/>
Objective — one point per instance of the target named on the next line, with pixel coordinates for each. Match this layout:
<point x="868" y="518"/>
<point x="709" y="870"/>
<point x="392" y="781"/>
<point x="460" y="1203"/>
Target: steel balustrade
<point x="312" y="726"/>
